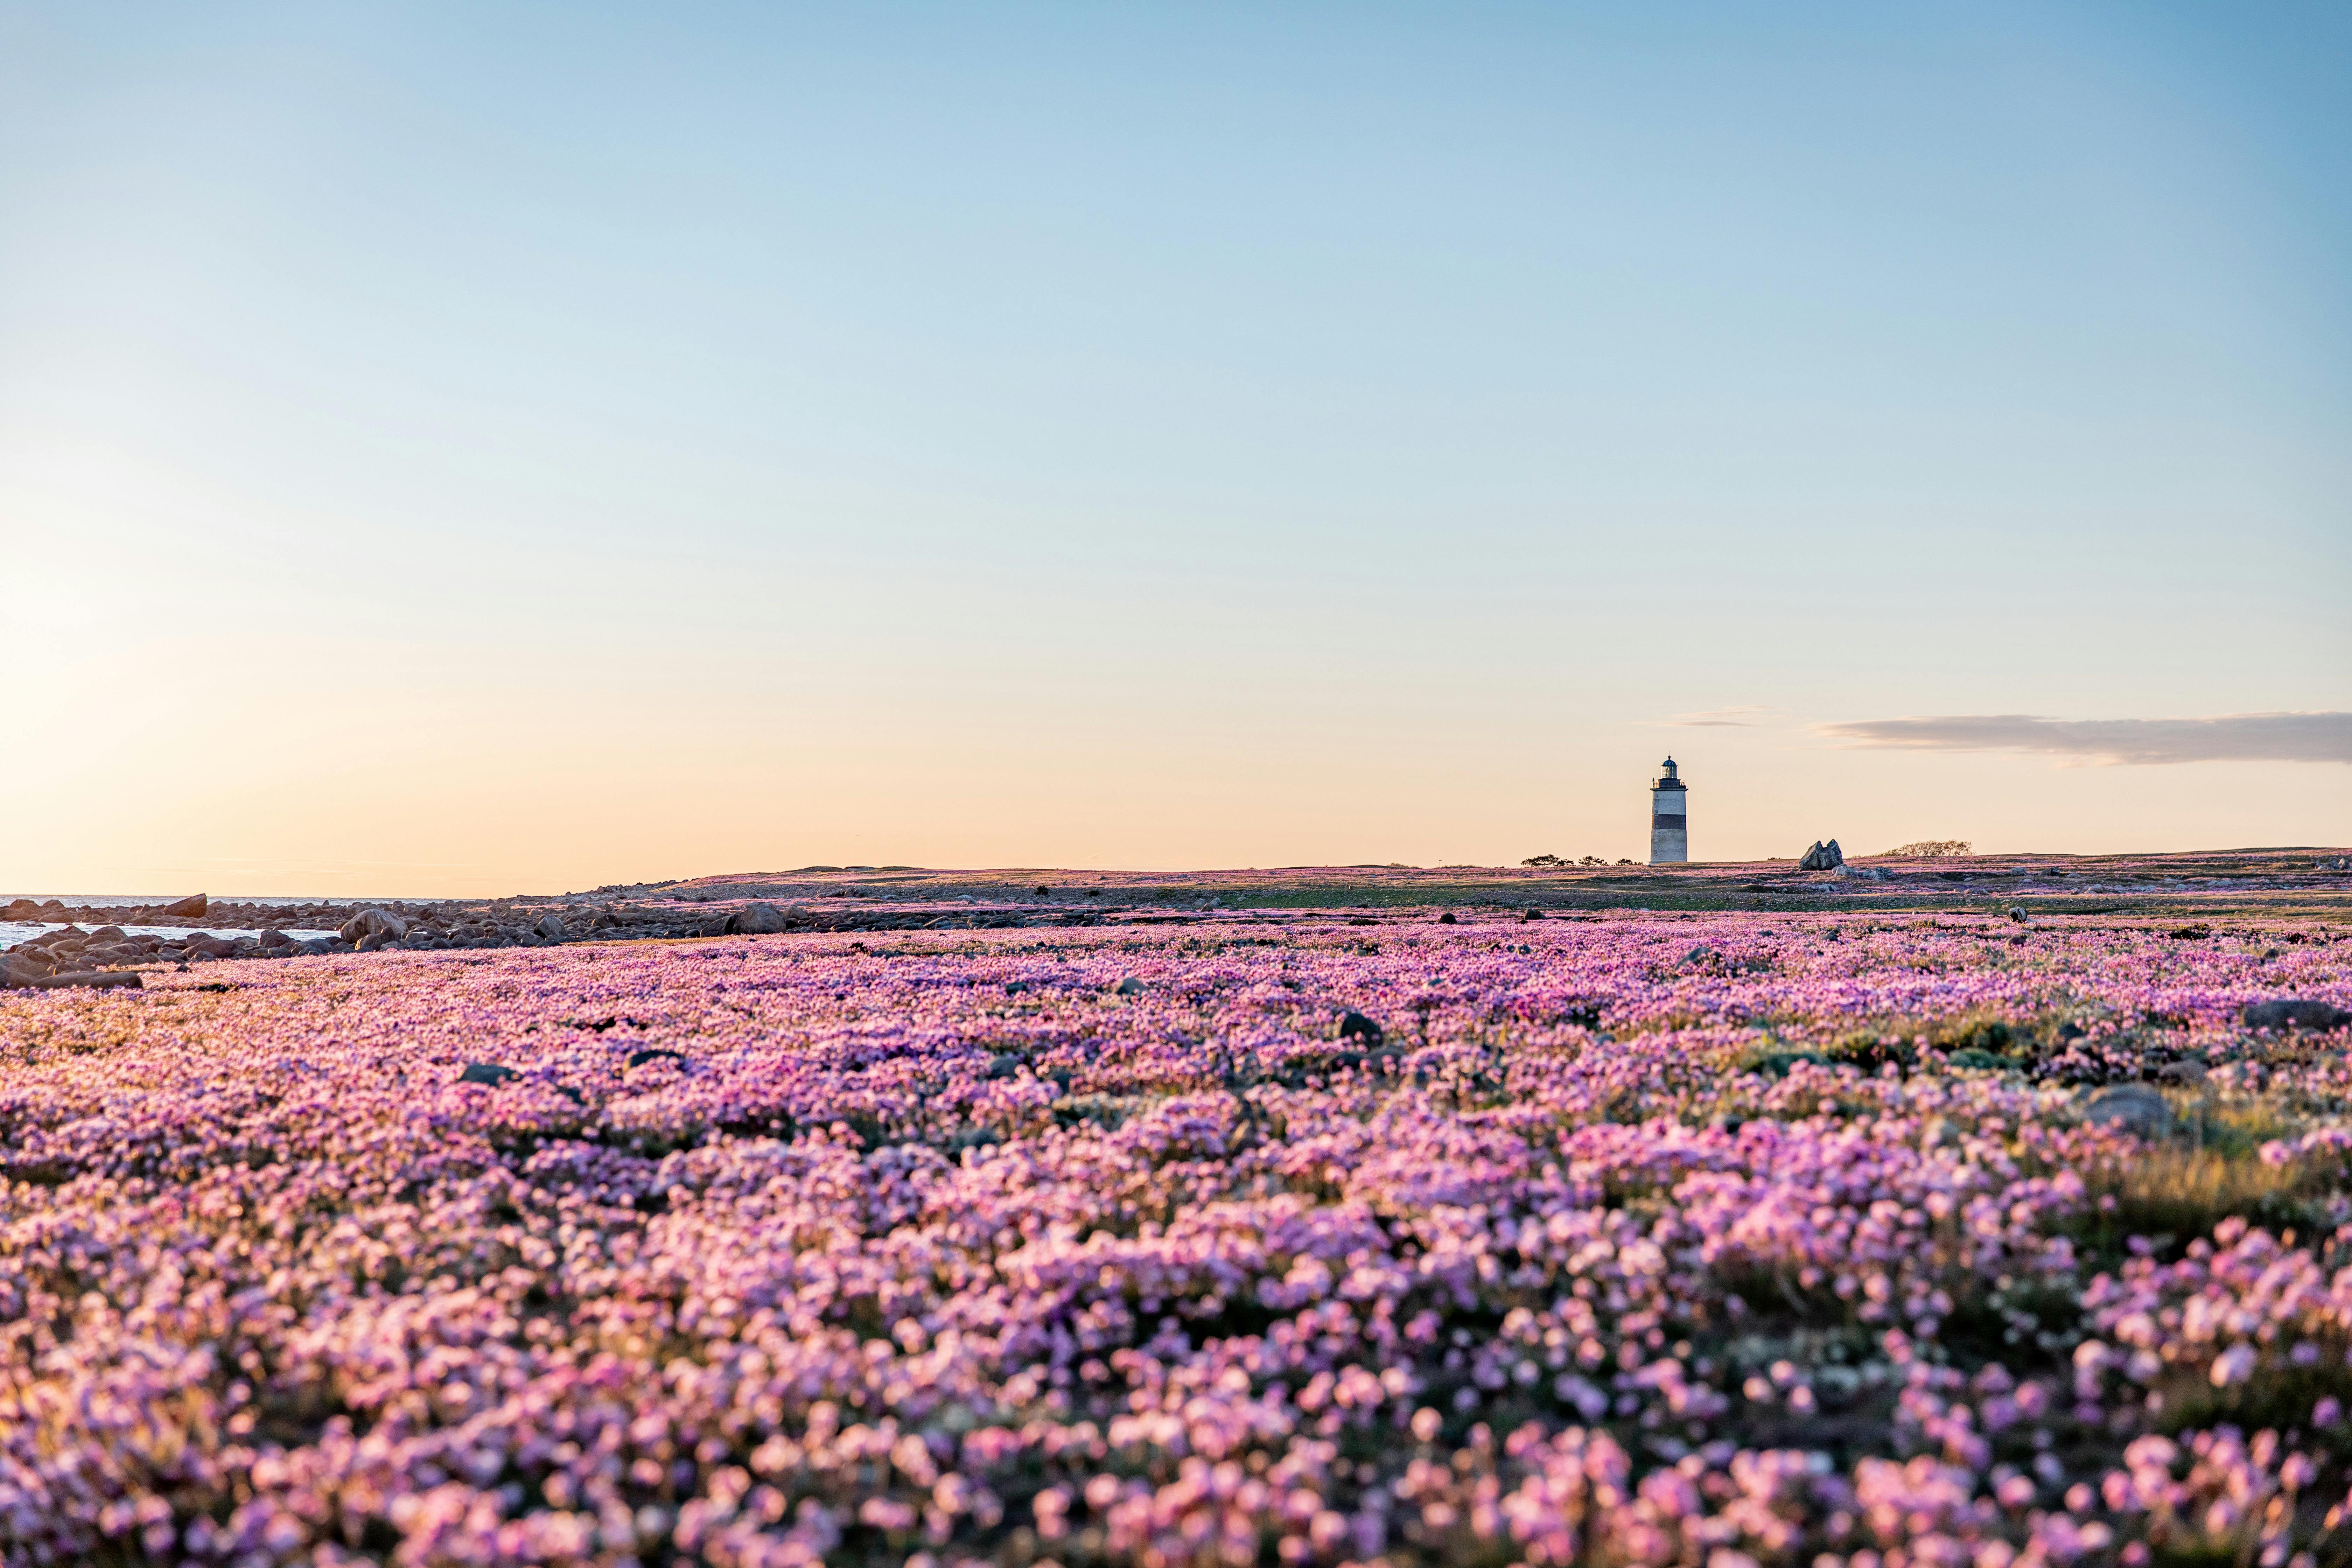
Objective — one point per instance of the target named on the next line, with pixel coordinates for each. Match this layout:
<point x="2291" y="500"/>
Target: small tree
<point x="1543" y="860"/>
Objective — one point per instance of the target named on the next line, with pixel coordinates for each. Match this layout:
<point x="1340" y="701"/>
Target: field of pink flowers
<point x="1716" y="1240"/>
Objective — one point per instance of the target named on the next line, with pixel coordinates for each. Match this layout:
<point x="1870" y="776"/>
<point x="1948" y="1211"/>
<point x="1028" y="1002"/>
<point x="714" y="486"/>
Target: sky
<point x="476" y="449"/>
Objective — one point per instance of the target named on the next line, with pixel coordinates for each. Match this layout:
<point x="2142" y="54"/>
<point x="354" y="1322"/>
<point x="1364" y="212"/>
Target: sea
<point x="14" y="932"/>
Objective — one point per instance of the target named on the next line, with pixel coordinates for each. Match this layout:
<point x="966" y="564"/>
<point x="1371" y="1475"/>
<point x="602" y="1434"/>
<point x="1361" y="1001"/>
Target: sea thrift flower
<point x="1659" y="1239"/>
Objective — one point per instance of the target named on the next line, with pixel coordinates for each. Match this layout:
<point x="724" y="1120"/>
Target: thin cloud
<point x="1746" y="717"/>
<point x="2228" y="737"/>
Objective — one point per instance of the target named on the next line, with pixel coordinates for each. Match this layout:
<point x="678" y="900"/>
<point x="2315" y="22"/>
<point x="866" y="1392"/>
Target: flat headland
<point x="55" y="938"/>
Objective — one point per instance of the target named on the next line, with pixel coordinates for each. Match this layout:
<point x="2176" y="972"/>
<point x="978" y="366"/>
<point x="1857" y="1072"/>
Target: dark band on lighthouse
<point x="1669" y="818"/>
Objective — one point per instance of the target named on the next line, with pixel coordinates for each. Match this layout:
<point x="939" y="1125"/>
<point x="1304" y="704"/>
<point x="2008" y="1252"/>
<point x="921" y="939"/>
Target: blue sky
<point x="1157" y="435"/>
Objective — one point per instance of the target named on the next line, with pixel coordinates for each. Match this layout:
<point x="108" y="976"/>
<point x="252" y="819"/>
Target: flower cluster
<point x="1716" y="1239"/>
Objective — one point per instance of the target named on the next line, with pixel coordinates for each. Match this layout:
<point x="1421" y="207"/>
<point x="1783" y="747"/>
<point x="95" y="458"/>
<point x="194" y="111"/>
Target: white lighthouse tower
<point x="1669" y="819"/>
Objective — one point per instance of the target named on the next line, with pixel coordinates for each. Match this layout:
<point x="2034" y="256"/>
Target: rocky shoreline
<point x="92" y="947"/>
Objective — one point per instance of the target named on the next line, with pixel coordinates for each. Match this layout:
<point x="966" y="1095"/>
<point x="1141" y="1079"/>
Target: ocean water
<point x="146" y="900"/>
<point x="14" y="932"/>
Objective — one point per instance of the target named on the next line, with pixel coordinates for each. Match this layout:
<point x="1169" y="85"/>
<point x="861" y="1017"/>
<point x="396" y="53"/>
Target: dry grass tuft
<point x="2172" y="1195"/>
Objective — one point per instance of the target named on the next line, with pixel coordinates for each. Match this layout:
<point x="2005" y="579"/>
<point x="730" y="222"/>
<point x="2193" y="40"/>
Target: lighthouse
<point x="1669" y="819"/>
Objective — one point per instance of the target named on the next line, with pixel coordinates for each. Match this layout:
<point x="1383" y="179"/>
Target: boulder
<point x="1822" y="857"/>
<point x="485" y="1072"/>
<point x="209" y="945"/>
<point x="2291" y="1013"/>
<point x="760" y="918"/>
<point x="638" y="1058"/>
<point x="1356" y="1026"/>
<point x="127" y="979"/>
<point x="2133" y="1107"/>
<point x="549" y="927"/>
<point x="21" y="910"/>
<point x="23" y="968"/>
<point x="373" y="922"/>
<point x="193" y="906"/>
<point x="1130" y="986"/>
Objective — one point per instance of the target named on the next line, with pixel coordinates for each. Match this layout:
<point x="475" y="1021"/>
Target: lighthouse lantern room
<point x="1669" y="819"/>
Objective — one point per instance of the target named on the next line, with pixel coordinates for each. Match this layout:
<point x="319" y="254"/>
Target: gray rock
<point x="2291" y="1012"/>
<point x="126" y="979"/>
<point x="1002" y="1068"/>
<point x="1356" y="1026"/>
<point x="549" y="927"/>
<point x="2017" y="913"/>
<point x="373" y="922"/>
<point x="485" y="1072"/>
<point x="1130" y="986"/>
<point x="193" y="906"/>
<point x="760" y="918"/>
<point x="2133" y="1107"/>
<point x="655" y="1054"/>
<point x="23" y="969"/>
<point x="1817" y="858"/>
